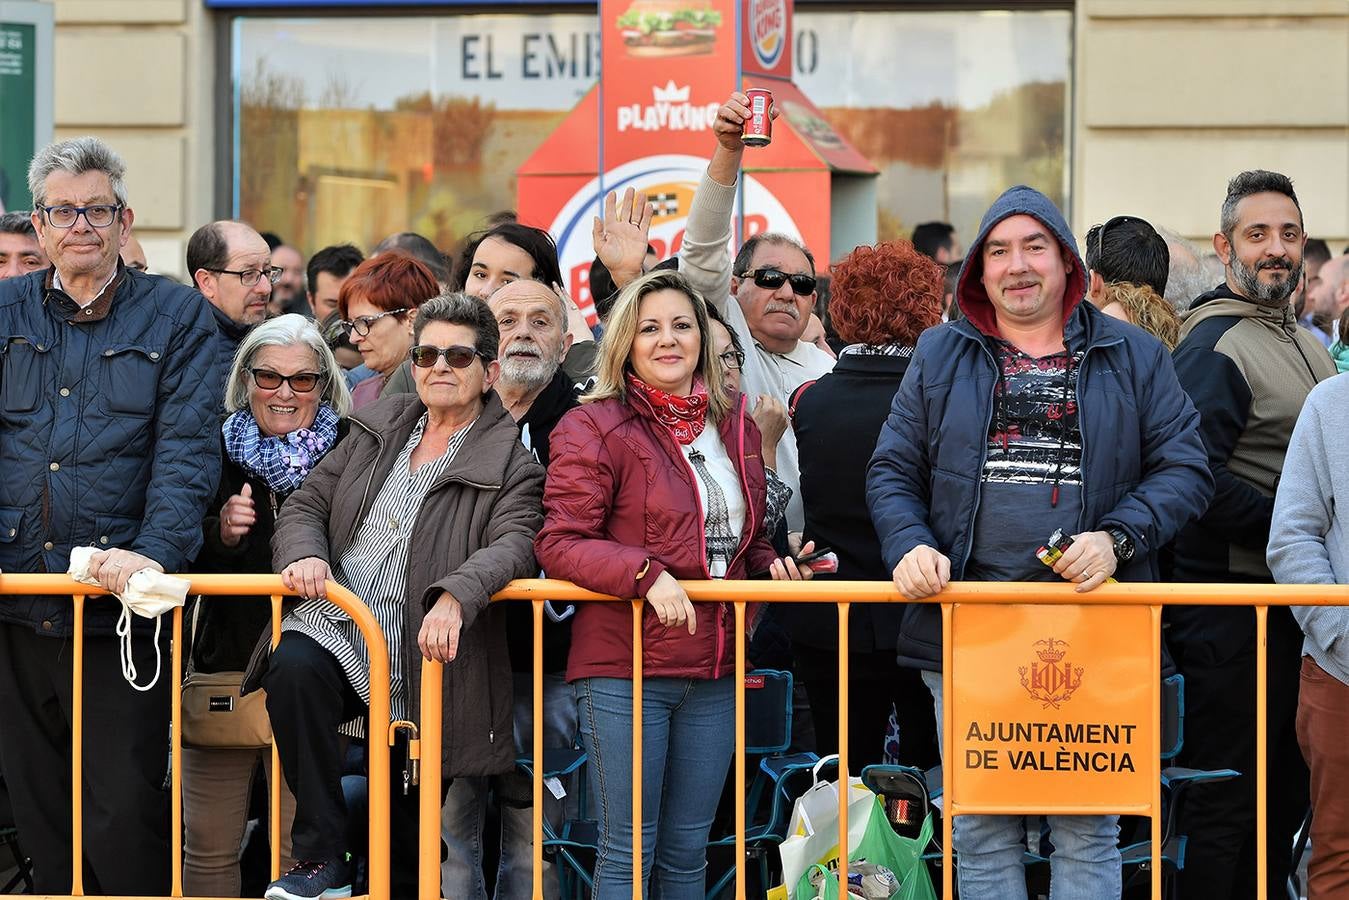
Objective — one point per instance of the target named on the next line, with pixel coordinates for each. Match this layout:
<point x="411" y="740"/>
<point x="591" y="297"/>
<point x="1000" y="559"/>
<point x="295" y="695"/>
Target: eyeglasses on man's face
<point x="770" y="279"/>
<point x="424" y="356"/>
<point x="362" y="324"/>
<point x="250" y="277"/>
<point x="300" y="382"/>
<point x="100" y="215"/>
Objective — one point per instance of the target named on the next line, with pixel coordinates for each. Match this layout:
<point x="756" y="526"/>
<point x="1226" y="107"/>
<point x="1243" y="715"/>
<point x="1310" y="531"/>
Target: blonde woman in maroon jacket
<point x="656" y="477"/>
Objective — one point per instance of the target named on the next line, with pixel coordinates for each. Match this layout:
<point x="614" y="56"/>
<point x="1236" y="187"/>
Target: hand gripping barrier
<point x="214" y="586"/>
<point x="957" y="602"/>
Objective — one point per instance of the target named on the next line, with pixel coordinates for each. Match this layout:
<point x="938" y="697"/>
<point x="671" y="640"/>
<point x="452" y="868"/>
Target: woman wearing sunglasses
<point x="287" y="401"/>
<point x="377" y="303"/>
<point x="657" y="476"/>
<point x="425" y="510"/>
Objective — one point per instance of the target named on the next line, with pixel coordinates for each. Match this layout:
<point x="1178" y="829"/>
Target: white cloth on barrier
<point x="149" y="594"/>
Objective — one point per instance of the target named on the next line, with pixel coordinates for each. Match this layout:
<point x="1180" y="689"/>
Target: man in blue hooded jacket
<point x="1034" y="412"/>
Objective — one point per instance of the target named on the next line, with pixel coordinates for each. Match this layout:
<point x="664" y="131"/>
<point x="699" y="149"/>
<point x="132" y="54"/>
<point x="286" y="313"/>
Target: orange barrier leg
<point x="948" y="741"/>
<point x="274" y="788"/>
<point x="176" y="754"/>
<point x="637" y="874"/>
<point x="740" y="788"/>
<point x="77" y="755"/>
<point x="1156" y="755"/>
<point x="428" y="791"/>
<point x="537" y="609"/>
<point x="1261" y="751"/>
<point x="843" y="793"/>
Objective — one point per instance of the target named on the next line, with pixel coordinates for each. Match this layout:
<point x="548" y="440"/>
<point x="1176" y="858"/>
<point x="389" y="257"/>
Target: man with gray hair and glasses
<point x="108" y="438"/>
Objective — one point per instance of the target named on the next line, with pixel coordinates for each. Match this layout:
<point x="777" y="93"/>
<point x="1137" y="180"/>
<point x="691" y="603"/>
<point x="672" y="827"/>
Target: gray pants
<point x="465" y="807"/>
<point x="216" y="788"/>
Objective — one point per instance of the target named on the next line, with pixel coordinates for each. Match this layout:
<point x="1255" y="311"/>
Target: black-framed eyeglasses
<point x="732" y="359"/>
<point x="300" y="382"/>
<point x="362" y="324"/>
<point x="250" y="277"/>
<point x="100" y="215"/>
<point x="424" y="356"/>
<point x="771" y="279"/>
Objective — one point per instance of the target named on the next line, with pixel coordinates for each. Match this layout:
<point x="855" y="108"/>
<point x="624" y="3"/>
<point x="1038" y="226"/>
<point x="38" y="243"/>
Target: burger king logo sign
<point x="767" y="23"/>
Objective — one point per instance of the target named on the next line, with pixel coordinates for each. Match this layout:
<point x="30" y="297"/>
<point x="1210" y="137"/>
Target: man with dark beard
<point x="536" y="392"/>
<point x="1248" y="367"/>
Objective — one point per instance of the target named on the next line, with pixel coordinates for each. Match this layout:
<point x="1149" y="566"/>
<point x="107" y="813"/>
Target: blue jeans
<point x="1085" y="863"/>
<point x="688" y="737"/>
<point x="465" y="807"/>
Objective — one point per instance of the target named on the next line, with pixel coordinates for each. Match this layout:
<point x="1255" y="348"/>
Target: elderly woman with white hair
<point x="287" y="403"/>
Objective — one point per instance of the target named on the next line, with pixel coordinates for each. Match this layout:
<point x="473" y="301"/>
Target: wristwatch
<point x="1124" y="545"/>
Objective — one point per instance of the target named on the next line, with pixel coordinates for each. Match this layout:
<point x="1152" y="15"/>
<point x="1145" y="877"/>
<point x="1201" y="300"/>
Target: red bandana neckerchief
<point x="684" y="416"/>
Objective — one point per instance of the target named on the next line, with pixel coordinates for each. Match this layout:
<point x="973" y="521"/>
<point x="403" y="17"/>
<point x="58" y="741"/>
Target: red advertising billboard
<point x="667" y="66"/>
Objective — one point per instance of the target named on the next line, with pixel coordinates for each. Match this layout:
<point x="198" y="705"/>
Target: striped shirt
<point x="374" y="568"/>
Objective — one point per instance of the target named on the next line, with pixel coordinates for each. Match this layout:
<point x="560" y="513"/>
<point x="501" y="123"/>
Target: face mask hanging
<point x="149" y="594"/>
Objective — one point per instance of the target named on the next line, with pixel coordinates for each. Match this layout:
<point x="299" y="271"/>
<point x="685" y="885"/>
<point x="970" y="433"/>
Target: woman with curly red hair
<point x="882" y="298"/>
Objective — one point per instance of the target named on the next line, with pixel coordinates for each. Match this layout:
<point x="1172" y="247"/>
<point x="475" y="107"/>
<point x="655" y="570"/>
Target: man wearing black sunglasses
<point x="772" y="280"/>
<point x="231" y="265"/>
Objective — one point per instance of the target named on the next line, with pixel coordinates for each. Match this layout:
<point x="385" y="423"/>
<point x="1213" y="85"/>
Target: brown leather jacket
<point x="474" y="533"/>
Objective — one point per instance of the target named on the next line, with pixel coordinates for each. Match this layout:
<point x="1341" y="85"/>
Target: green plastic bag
<point x="880" y="844"/>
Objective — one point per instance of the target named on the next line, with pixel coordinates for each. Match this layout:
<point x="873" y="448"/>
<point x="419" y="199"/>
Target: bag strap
<point x="823" y="761"/>
<point x="192" y="636"/>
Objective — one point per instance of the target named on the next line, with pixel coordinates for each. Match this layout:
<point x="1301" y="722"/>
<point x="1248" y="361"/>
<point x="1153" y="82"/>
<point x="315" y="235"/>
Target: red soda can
<point x="758" y="130"/>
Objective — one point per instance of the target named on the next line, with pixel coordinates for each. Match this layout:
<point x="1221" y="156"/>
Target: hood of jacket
<point x="1020" y="200"/>
<point x="1223" y="301"/>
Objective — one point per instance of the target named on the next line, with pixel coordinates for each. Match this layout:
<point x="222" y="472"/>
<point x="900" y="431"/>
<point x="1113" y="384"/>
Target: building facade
<point x="335" y="121"/>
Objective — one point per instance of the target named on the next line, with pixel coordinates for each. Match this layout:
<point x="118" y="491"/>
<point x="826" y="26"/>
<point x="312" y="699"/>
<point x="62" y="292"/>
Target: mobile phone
<point x="812" y="556"/>
<point x="818" y="554"/>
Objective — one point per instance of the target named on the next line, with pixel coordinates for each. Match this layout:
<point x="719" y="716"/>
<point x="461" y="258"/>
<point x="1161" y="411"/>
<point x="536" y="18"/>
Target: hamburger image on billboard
<point x="669" y="28"/>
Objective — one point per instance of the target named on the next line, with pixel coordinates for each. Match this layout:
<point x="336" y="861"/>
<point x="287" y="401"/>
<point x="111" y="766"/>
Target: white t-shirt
<point x="719" y="465"/>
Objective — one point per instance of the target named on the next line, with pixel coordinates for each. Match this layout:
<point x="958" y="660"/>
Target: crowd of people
<point x="421" y="431"/>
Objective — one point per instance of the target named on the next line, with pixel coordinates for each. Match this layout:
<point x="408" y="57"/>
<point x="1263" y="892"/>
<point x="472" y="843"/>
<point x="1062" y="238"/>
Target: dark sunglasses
<point x="300" y="382"/>
<point x="424" y="356"/>
<point x="772" y="279"/>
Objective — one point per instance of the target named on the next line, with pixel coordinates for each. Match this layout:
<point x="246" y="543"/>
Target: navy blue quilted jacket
<point x="1144" y="468"/>
<point x="109" y="432"/>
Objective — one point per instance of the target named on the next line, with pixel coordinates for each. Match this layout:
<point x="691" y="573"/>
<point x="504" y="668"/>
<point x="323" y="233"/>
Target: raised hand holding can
<point x="759" y="126"/>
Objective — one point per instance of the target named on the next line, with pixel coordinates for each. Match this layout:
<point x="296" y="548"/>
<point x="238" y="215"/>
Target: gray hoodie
<point x="1309" y="536"/>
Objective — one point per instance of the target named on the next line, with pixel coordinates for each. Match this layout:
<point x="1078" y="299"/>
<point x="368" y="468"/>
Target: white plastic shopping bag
<point x="812" y="832"/>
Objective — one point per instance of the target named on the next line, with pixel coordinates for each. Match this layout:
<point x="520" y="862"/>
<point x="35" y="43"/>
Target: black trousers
<point x="875" y="681"/>
<point x="1220" y="859"/>
<point x="125" y="764"/>
<point x="308" y="699"/>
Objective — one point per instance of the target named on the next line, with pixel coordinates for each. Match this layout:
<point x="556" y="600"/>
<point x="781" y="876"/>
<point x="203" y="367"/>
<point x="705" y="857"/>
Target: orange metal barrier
<point x="214" y="586"/>
<point x="844" y="594"/>
<point x="739" y="595"/>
